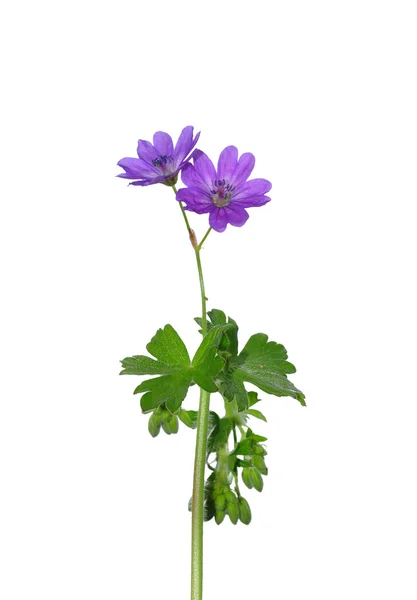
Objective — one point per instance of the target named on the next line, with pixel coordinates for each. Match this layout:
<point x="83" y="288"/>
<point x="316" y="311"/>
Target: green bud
<point x="230" y="498"/>
<point x="247" y="478"/>
<point x="165" y="415"/>
<point x="256" y="479"/>
<point x="260" y="450"/>
<point x="259" y="463"/>
<point x="245" y="514"/>
<point x="220" y="502"/>
<point x="154" y="425"/>
<point x="220" y="515"/>
<point x="233" y="512"/>
<point x="173" y="423"/>
<point x="166" y="427"/>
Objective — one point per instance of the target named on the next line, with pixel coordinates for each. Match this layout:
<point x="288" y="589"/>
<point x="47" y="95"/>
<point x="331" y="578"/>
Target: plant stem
<point x="201" y="444"/>
<point x="200" y="245"/>
<point x="199" y="467"/>
<point x="184" y="214"/>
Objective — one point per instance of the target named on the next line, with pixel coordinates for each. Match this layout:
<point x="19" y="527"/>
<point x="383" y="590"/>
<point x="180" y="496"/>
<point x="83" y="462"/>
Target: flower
<point x="225" y="193"/>
<point x="160" y="162"/>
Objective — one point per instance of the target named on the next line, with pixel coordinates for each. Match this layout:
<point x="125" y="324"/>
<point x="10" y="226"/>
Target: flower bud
<point x="245" y="514"/>
<point x="220" y="515"/>
<point x="220" y="502"/>
<point x="256" y="479"/>
<point x="166" y="427"/>
<point x="260" y="450"/>
<point x="154" y="425"/>
<point x="259" y="463"/>
<point x="230" y="498"/>
<point x="165" y="415"/>
<point x="233" y="512"/>
<point x="247" y="478"/>
<point x="173" y="423"/>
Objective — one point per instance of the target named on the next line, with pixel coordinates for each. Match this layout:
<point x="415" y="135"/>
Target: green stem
<point x="199" y="466"/>
<point x="184" y="214"/>
<point x="201" y="443"/>
<point x="200" y="245"/>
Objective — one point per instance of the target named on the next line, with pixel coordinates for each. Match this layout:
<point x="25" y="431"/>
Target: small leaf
<point x="256" y="413"/>
<point x="253" y="398"/>
<point x="188" y="417"/>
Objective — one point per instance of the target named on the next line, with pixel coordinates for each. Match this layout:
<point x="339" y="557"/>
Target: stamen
<point x="163" y="162"/>
<point x="221" y="192"/>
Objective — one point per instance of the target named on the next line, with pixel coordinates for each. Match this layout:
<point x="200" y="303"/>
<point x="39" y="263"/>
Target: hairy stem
<point x="201" y="444"/>
<point x="199" y="466"/>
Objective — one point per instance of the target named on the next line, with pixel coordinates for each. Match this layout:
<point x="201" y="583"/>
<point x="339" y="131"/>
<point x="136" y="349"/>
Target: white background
<point x="324" y="94"/>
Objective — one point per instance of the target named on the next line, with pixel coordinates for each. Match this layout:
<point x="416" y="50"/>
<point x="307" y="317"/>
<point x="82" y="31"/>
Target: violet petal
<point x="227" y="163"/>
<point x="163" y="144"/>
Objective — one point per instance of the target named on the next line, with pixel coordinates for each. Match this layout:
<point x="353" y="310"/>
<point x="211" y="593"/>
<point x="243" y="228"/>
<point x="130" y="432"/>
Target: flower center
<point x="164" y="162"/>
<point x="221" y="192"/>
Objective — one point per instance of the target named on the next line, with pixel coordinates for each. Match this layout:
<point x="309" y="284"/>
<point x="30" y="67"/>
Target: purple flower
<point x="225" y="193"/>
<point x="160" y="162"/>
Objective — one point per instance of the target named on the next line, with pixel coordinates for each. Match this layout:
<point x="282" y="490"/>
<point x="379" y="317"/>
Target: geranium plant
<point x="228" y="452"/>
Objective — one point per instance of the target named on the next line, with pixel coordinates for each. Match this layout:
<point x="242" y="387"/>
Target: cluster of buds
<point x="220" y="499"/>
<point x="254" y="468"/>
<point x="161" y="417"/>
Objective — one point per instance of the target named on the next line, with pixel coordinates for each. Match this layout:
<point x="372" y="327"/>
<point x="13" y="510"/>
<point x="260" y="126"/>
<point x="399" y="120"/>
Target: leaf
<point x="189" y="418"/>
<point x="218" y="317"/>
<point x="253" y="398"/>
<point x="263" y="364"/>
<point x="213" y="428"/>
<point x="176" y="370"/>
<point x="248" y="445"/>
<point x="167" y="346"/>
<point x="256" y="413"/>
<point x="143" y="365"/>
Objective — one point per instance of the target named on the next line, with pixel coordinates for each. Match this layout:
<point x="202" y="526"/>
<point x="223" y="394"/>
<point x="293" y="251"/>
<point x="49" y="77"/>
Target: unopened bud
<point x="220" y="502"/>
<point x="256" y="479"/>
<point x="165" y="415"/>
<point x="247" y="478"/>
<point x="259" y="463"/>
<point x="220" y="515"/>
<point x="231" y="498"/>
<point x="245" y="514"/>
<point x="233" y="512"/>
<point x="154" y="425"/>
<point x="166" y="427"/>
<point x="173" y="423"/>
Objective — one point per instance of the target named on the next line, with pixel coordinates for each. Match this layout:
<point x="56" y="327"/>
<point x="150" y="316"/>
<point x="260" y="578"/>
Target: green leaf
<point x="167" y="346"/>
<point x="189" y="418"/>
<point x="263" y="364"/>
<point x="213" y="428"/>
<point x="256" y="413"/>
<point x="176" y="370"/>
<point x="143" y="365"/>
<point x="253" y="398"/>
<point x="219" y="434"/>
<point x="218" y="317"/>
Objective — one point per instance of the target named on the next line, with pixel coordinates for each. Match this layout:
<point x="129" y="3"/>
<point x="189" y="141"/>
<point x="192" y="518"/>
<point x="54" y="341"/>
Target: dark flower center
<point x="221" y="192"/>
<point x="164" y="162"/>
